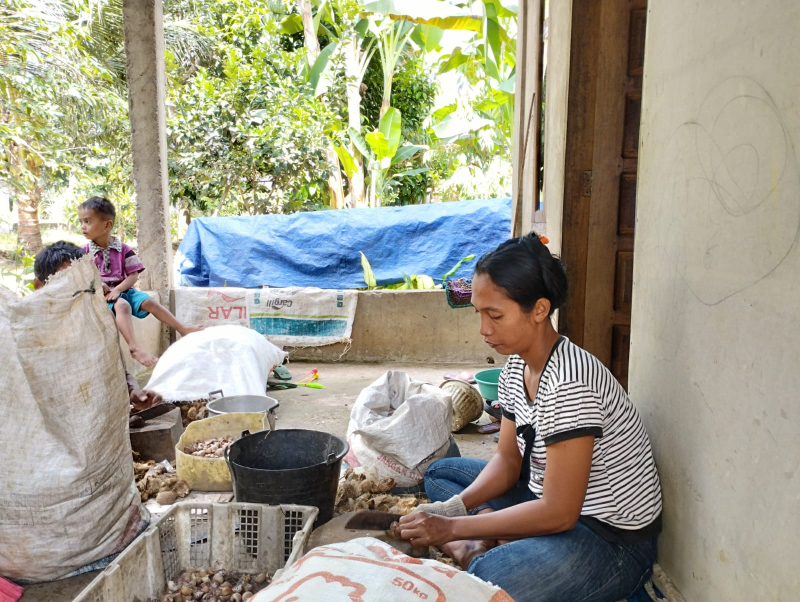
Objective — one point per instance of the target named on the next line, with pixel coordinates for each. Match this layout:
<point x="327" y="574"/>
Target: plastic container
<point x="487" y="382"/>
<point x="242" y="404"/>
<point x="249" y="538"/>
<point x="290" y="466"/>
<point x="212" y="474"/>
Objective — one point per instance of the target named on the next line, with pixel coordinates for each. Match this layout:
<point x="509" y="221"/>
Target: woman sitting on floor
<point x="569" y="507"/>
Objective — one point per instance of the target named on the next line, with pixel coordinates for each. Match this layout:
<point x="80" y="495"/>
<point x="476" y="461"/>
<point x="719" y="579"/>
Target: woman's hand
<point x="424" y="529"/>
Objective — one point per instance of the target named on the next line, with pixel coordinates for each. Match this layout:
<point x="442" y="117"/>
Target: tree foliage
<point x="62" y="111"/>
<point x="413" y="94"/>
<point x="258" y="122"/>
<point x="246" y="134"/>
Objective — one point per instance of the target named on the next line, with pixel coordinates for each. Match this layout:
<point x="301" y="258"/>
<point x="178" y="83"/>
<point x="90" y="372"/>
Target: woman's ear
<point x="541" y="311"/>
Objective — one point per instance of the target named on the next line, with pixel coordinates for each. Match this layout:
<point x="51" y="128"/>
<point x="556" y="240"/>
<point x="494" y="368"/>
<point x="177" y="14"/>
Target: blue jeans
<point x="572" y="566"/>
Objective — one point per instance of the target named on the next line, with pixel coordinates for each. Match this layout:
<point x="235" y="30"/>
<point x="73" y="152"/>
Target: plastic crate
<point x="248" y="538"/>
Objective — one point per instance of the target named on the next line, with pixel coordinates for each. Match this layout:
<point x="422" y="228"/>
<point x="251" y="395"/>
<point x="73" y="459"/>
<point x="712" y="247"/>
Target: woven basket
<point x="459" y="292"/>
<point x="467" y="403"/>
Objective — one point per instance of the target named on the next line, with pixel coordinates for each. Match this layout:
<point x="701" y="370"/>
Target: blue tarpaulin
<point x="321" y="248"/>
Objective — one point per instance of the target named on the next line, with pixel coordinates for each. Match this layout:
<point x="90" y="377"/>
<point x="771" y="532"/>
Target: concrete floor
<point x="329" y="409"/>
<point x="65" y="590"/>
<point x="317" y="409"/>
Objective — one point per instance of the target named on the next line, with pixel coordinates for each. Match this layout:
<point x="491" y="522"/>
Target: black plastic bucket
<point x="290" y="466"/>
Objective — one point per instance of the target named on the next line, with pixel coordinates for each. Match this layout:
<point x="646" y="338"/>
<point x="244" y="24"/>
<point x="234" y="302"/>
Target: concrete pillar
<point x="144" y="51"/>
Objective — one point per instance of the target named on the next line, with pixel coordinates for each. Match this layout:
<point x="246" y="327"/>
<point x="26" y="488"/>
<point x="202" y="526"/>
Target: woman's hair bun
<point x="527" y="271"/>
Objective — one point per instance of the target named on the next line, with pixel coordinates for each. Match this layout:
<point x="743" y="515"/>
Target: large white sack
<point x="67" y="496"/>
<point x="369" y="570"/>
<point x="399" y="426"/>
<point x="232" y="358"/>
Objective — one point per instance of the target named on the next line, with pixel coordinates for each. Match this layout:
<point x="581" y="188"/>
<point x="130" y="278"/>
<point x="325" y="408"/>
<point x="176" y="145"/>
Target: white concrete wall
<point x="716" y="326"/>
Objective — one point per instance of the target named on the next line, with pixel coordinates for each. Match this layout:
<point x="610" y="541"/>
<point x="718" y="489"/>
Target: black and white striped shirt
<point x="578" y="396"/>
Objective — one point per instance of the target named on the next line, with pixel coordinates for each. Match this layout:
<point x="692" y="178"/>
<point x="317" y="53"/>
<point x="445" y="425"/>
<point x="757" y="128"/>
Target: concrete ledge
<point x="389" y="326"/>
<point x="408" y="326"/>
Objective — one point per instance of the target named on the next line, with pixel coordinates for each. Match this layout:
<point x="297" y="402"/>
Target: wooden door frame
<point x="579" y="157"/>
<point x="586" y="185"/>
<point x="586" y="38"/>
<point x="607" y="168"/>
<point x="527" y="116"/>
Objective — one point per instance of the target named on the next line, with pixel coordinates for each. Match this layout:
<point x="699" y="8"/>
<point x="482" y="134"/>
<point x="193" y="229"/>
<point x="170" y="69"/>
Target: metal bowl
<point x="244" y="403"/>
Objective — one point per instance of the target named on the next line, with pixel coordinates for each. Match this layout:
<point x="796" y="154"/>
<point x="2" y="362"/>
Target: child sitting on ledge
<point x="119" y="268"/>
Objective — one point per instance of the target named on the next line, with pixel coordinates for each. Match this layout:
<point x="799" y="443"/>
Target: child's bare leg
<point x="165" y="316"/>
<point x="124" y="319"/>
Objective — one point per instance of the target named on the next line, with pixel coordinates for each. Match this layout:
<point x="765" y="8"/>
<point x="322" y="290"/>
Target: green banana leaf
<point x="390" y="126"/>
<point x="427" y="12"/>
<point x="407" y="152"/>
<point x="369" y="275"/>
<point x="317" y="75"/>
<point x="345" y="157"/>
<point x="358" y="141"/>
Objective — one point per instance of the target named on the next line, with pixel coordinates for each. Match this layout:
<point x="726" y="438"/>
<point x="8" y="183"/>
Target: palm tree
<point x="63" y="92"/>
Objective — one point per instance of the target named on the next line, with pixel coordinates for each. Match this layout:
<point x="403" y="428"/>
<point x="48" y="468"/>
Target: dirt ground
<point x="317" y="409"/>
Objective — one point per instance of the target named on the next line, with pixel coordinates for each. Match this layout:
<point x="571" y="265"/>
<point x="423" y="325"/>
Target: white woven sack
<point x="386" y="465"/>
<point x="230" y="358"/>
<point x="369" y="570"/>
<point x="399" y="426"/>
<point x="67" y="497"/>
<point x="212" y="306"/>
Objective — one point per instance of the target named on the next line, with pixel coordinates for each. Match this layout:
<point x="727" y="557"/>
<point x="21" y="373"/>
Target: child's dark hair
<point x="101" y="205"/>
<point x="49" y="259"/>
<point x="526" y="271"/>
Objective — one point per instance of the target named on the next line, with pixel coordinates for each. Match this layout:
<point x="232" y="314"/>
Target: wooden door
<point x="600" y="182"/>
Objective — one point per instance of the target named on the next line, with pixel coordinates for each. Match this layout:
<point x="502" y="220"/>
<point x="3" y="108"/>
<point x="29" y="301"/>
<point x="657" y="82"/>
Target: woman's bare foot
<point x="190" y="329"/>
<point x="144" y="358"/>
<point x="464" y="551"/>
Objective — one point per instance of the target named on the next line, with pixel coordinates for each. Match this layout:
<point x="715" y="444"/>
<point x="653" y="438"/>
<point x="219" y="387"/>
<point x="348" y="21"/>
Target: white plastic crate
<point x="248" y="538"/>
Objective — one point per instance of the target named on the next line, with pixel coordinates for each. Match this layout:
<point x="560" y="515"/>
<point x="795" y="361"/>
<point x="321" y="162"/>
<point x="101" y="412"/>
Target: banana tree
<point x="393" y="40"/>
<point x="358" y="53"/>
<point x="359" y="34"/>
<point x="341" y="20"/>
<point x="383" y="150"/>
<point x="319" y="61"/>
<point x="492" y="50"/>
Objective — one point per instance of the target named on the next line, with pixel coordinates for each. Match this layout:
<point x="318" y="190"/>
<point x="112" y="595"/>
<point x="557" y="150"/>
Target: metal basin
<point x="244" y="403"/>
